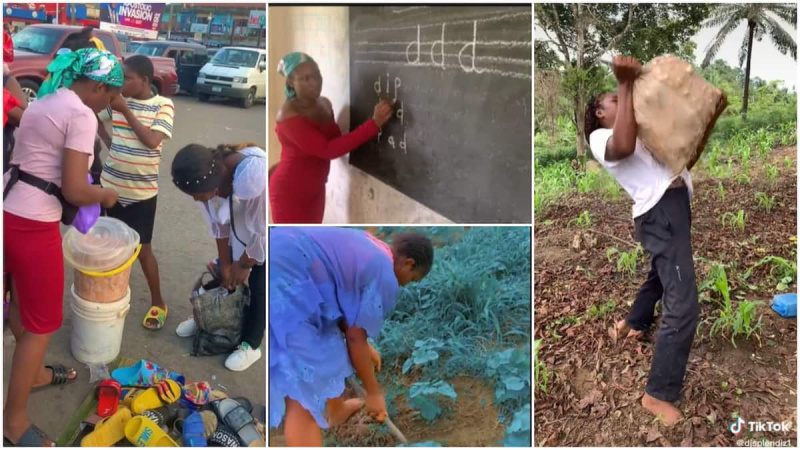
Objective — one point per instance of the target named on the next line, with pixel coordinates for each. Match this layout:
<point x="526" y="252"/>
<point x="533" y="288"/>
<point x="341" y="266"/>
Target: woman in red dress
<point x="310" y="139"/>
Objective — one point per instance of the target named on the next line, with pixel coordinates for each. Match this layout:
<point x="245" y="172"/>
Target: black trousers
<point x="255" y="322"/>
<point x="665" y="233"/>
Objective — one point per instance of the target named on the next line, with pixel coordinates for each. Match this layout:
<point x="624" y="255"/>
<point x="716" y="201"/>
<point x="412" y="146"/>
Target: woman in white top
<point x="230" y="183"/>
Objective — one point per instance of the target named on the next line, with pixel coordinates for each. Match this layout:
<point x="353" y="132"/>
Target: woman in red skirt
<point x="310" y="139"/>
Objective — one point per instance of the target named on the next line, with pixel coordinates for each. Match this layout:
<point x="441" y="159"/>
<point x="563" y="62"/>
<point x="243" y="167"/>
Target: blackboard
<point x="460" y="142"/>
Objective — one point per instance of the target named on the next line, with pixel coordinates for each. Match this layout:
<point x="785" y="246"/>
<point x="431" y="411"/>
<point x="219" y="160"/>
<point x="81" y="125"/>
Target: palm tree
<point x="761" y="20"/>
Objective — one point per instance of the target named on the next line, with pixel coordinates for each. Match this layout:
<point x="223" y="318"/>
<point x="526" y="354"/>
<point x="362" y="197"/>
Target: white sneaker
<point x="242" y="358"/>
<point x="187" y="328"/>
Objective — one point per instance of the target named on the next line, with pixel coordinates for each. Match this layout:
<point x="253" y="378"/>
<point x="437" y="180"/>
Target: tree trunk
<point x="751" y="28"/>
<point x="580" y="93"/>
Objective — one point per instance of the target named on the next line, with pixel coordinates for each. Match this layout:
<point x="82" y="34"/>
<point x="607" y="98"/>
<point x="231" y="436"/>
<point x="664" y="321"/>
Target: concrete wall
<point x="352" y="195"/>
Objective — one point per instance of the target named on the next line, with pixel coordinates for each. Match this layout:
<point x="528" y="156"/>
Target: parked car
<point x="188" y="57"/>
<point x="234" y="72"/>
<point x="124" y="42"/>
<point x="212" y="52"/>
<point x="133" y="45"/>
<point x="35" y="47"/>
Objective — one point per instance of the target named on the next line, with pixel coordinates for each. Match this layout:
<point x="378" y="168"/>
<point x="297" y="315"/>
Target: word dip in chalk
<point x="385" y="88"/>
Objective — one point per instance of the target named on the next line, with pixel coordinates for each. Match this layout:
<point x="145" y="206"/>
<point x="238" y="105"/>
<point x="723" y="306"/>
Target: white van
<point x="234" y="72"/>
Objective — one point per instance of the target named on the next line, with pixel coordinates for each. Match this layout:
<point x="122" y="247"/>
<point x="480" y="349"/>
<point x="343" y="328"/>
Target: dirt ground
<point x="470" y="422"/>
<point x="602" y="384"/>
<point x="183" y="245"/>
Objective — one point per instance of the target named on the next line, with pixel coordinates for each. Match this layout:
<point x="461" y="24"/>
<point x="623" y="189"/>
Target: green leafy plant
<point x="772" y="173"/>
<point x="541" y="374"/>
<point x="584" y="220"/>
<point x="518" y="434"/>
<point x="511" y="369"/>
<point x="788" y="162"/>
<point x="765" y="202"/>
<point x="729" y="322"/>
<point x="735" y="221"/>
<point x="425" y="351"/>
<point x="721" y="191"/>
<point x="602" y="310"/>
<point x="626" y="261"/>
<point x="784" y="270"/>
<point x="743" y="178"/>
<point x="425" y="395"/>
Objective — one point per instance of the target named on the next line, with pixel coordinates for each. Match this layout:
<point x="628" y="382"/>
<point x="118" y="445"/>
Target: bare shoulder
<point x="328" y="105"/>
<point x="287" y="111"/>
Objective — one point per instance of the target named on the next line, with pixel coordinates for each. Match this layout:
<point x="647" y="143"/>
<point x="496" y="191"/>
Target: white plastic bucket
<point x="97" y="328"/>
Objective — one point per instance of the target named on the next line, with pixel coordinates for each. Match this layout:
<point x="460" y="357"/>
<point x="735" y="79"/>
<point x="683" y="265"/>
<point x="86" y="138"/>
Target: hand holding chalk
<point x="383" y="112"/>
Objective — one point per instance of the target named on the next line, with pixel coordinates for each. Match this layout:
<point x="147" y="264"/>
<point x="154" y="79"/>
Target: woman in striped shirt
<point x="140" y="123"/>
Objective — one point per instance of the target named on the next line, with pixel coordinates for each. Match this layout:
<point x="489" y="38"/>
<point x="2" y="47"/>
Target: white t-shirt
<point x="643" y="178"/>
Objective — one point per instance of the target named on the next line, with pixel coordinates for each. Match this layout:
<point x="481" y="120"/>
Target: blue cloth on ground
<point x="318" y="276"/>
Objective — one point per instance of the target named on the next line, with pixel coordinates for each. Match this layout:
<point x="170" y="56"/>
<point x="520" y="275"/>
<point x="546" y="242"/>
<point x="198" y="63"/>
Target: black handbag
<point x="68" y="210"/>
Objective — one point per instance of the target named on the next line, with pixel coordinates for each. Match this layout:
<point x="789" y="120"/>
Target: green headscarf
<point x="91" y="63"/>
<point x="287" y="66"/>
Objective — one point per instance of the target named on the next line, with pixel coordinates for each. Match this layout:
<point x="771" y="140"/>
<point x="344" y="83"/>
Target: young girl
<point x="310" y="139"/>
<point x="230" y="184"/>
<point x="141" y="121"/>
<point x="663" y="217"/>
<point x="54" y="143"/>
<point x="330" y="289"/>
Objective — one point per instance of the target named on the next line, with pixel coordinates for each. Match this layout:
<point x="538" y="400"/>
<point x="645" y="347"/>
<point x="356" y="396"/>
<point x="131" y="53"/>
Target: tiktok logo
<point x="736" y="427"/>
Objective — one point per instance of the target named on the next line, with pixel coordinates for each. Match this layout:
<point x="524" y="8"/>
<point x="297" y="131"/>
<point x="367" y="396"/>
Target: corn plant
<point x="626" y="261"/>
<point x="784" y="270"/>
<point x="730" y="322"/>
<point x="584" y="220"/>
<point x="735" y="221"/>
<point x="765" y="202"/>
<point x="772" y="173"/>
<point x="721" y="191"/>
<point x="743" y="178"/>
<point x="602" y="310"/>
<point x="787" y="162"/>
<point x="541" y="374"/>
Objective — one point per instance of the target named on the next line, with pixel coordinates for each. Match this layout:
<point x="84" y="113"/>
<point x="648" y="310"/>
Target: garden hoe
<point x="388" y="422"/>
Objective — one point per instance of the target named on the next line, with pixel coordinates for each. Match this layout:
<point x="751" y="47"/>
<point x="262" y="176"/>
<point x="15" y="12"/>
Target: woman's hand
<point x="375" y="357"/>
<point x="376" y="405"/>
<point x="226" y="273"/>
<point x="383" y="112"/>
<point x="110" y="197"/>
<point x="239" y="274"/>
<point x="626" y="68"/>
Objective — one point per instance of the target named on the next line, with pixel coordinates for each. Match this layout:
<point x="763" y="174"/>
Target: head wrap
<point x="91" y="63"/>
<point x="287" y="66"/>
<point x="197" y="169"/>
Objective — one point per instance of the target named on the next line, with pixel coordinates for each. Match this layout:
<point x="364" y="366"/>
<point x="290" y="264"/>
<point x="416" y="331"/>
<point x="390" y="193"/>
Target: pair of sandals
<point x="34" y="436"/>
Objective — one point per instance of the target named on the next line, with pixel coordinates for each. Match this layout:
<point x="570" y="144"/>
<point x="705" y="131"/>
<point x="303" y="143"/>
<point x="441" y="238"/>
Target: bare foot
<point x="343" y="410"/>
<point x="666" y="412"/>
<point x="622" y="330"/>
<point x="45" y="376"/>
<point x="13" y="432"/>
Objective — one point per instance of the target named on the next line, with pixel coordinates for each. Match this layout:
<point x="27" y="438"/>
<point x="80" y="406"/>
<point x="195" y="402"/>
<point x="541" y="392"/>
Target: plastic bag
<point x="219" y="316"/>
<point x="87" y="216"/>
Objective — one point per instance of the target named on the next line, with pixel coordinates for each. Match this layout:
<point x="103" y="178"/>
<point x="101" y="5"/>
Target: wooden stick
<point x="388" y="422"/>
<point x="632" y="244"/>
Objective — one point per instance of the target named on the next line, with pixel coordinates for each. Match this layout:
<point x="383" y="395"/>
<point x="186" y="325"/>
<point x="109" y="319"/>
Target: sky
<point x="767" y="63"/>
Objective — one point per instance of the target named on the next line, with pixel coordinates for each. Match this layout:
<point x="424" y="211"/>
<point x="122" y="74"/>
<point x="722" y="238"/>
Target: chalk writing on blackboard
<point x="386" y="88"/>
<point x="433" y="54"/>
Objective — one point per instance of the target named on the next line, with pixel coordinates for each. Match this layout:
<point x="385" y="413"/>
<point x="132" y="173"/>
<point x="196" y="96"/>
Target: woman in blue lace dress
<point x="330" y="289"/>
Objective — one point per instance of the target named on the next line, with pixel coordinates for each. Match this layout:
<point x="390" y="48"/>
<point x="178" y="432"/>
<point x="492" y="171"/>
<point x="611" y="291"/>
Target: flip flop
<point x="108" y="396"/>
<point x="166" y="415"/>
<point x="33" y="437"/>
<point x="198" y="394"/>
<point x="143" y="432"/>
<point x="127" y="396"/>
<point x="60" y="376"/>
<point x="210" y="423"/>
<point x="159" y="314"/>
<point x="224" y="437"/>
<point x="238" y="419"/>
<point x="194" y="431"/>
<point x="145" y="374"/>
<point x="165" y="393"/>
<point x="108" y="431"/>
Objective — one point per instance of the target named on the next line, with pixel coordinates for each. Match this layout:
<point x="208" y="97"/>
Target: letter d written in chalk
<point x="440" y="42"/>
<point x="416" y="43"/>
<point x="474" y="40"/>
